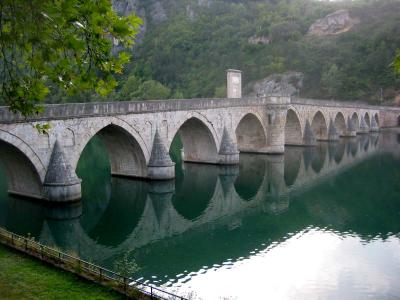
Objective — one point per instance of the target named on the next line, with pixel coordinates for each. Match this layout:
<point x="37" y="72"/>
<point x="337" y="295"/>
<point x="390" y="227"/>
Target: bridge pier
<point x="309" y="138"/>
<point x="61" y="183"/>
<point x="350" y="129"/>
<point x="363" y="126"/>
<point x="228" y="152"/>
<point x="374" y="125"/>
<point x="276" y="129"/>
<point x="160" y="166"/>
<point x="333" y="134"/>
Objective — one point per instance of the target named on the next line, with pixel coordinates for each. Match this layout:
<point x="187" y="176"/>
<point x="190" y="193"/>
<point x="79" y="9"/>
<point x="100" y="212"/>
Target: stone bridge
<point x="138" y="135"/>
<point x="151" y="214"/>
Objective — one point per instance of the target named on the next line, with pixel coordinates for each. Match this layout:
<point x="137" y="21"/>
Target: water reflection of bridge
<point x="137" y="214"/>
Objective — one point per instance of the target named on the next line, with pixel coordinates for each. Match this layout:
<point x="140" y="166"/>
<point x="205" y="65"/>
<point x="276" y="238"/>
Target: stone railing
<point x="345" y="104"/>
<point x="81" y="110"/>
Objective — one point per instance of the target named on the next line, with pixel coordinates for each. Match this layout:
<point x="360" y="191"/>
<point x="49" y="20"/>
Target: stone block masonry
<point x="138" y="135"/>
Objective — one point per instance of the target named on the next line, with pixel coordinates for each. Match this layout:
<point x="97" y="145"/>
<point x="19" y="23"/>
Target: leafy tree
<point x="151" y="90"/>
<point x="66" y="43"/>
<point x="331" y="80"/>
<point x="126" y="266"/>
<point x="397" y="63"/>
<point x="135" y="88"/>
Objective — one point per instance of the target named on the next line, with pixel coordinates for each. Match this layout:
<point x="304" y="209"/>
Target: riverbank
<point x="23" y="277"/>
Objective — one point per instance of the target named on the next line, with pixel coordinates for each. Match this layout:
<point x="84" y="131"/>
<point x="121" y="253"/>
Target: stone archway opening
<point x="194" y="142"/>
<point x="377" y="119"/>
<point x="293" y="134"/>
<point x="367" y="120"/>
<point x="21" y="176"/>
<point x="356" y="121"/>
<point x="319" y="126"/>
<point x="250" y="134"/>
<point x="123" y="152"/>
<point x="340" y="124"/>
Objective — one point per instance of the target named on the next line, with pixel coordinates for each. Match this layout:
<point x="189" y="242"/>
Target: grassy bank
<point x="23" y="277"/>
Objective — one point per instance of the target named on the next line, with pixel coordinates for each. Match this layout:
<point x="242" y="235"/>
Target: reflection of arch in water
<point x="251" y="175"/>
<point x="319" y="158"/>
<point x="195" y="190"/>
<point x="198" y="142"/>
<point x="125" y="208"/>
<point x="352" y="147"/>
<point x="24" y="217"/>
<point x="293" y="133"/>
<point x="340" y="124"/>
<point x="293" y="158"/>
<point x="125" y="153"/>
<point x="356" y="121"/>
<point x="22" y="176"/>
<point x="364" y="142"/>
<point x="340" y="149"/>
<point x="319" y="126"/>
<point x="250" y="134"/>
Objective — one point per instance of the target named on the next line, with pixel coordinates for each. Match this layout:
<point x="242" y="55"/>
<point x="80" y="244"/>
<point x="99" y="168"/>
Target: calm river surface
<point x="315" y="223"/>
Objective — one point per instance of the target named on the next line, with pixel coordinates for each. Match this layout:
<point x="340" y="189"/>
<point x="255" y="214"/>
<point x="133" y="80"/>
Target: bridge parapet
<point x="98" y="109"/>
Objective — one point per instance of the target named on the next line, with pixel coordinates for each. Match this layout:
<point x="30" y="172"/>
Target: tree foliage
<point x="191" y="53"/>
<point x="62" y="43"/>
<point x="397" y="63"/>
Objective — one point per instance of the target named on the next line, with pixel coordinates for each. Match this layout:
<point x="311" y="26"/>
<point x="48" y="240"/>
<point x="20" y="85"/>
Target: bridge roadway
<point x="138" y="136"/>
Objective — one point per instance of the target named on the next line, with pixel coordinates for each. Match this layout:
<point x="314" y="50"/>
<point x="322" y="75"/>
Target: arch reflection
<point x="293" y="158"/>
<point x="251" y="175"/>
<point x="195" y="189"/>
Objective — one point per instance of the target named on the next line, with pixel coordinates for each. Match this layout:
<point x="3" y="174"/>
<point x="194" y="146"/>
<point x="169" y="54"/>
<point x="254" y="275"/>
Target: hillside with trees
<point x="338" y="50"/>
<point x="197" y="41"/>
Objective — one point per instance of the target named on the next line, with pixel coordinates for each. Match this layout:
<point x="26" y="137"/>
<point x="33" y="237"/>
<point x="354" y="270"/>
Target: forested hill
<point x="340" y="50"/>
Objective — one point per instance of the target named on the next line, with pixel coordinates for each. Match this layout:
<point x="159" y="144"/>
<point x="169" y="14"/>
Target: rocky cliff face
<point x="288" y="83"/>
<point x="335" y="23"/>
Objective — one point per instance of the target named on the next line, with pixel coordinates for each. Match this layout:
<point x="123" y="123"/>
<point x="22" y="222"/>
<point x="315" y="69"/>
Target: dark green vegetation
<point x="59" y="45"/>
<point x="190" y="54"/>
<point x="185" y="53"/>
<point x="22" y="277"/>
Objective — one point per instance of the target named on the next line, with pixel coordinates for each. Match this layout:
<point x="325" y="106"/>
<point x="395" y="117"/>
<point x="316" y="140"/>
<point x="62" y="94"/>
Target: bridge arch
<point x="319" y="126"/>
<point x="376" y="116"/>
<point x="23" y="178"/>
<point x="340" y="123"/>
<point x="24" y="148"/>
<point x="250" y="134"/>
<point x="126" y="150"/>
<point x="198" y="140"/>
<point x="367" y="119"/>
<point x="356" y="120"/>
<point x="293" y="131"/>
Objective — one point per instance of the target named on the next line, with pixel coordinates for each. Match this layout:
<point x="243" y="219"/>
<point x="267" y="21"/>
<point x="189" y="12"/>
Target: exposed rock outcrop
<point x="256" y="40"/>
<point x="288" y="83"/>
<point x="335" y="23"/>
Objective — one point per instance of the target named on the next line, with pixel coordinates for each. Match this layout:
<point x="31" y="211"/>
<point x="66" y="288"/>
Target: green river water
<point x="315" y="223"/>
